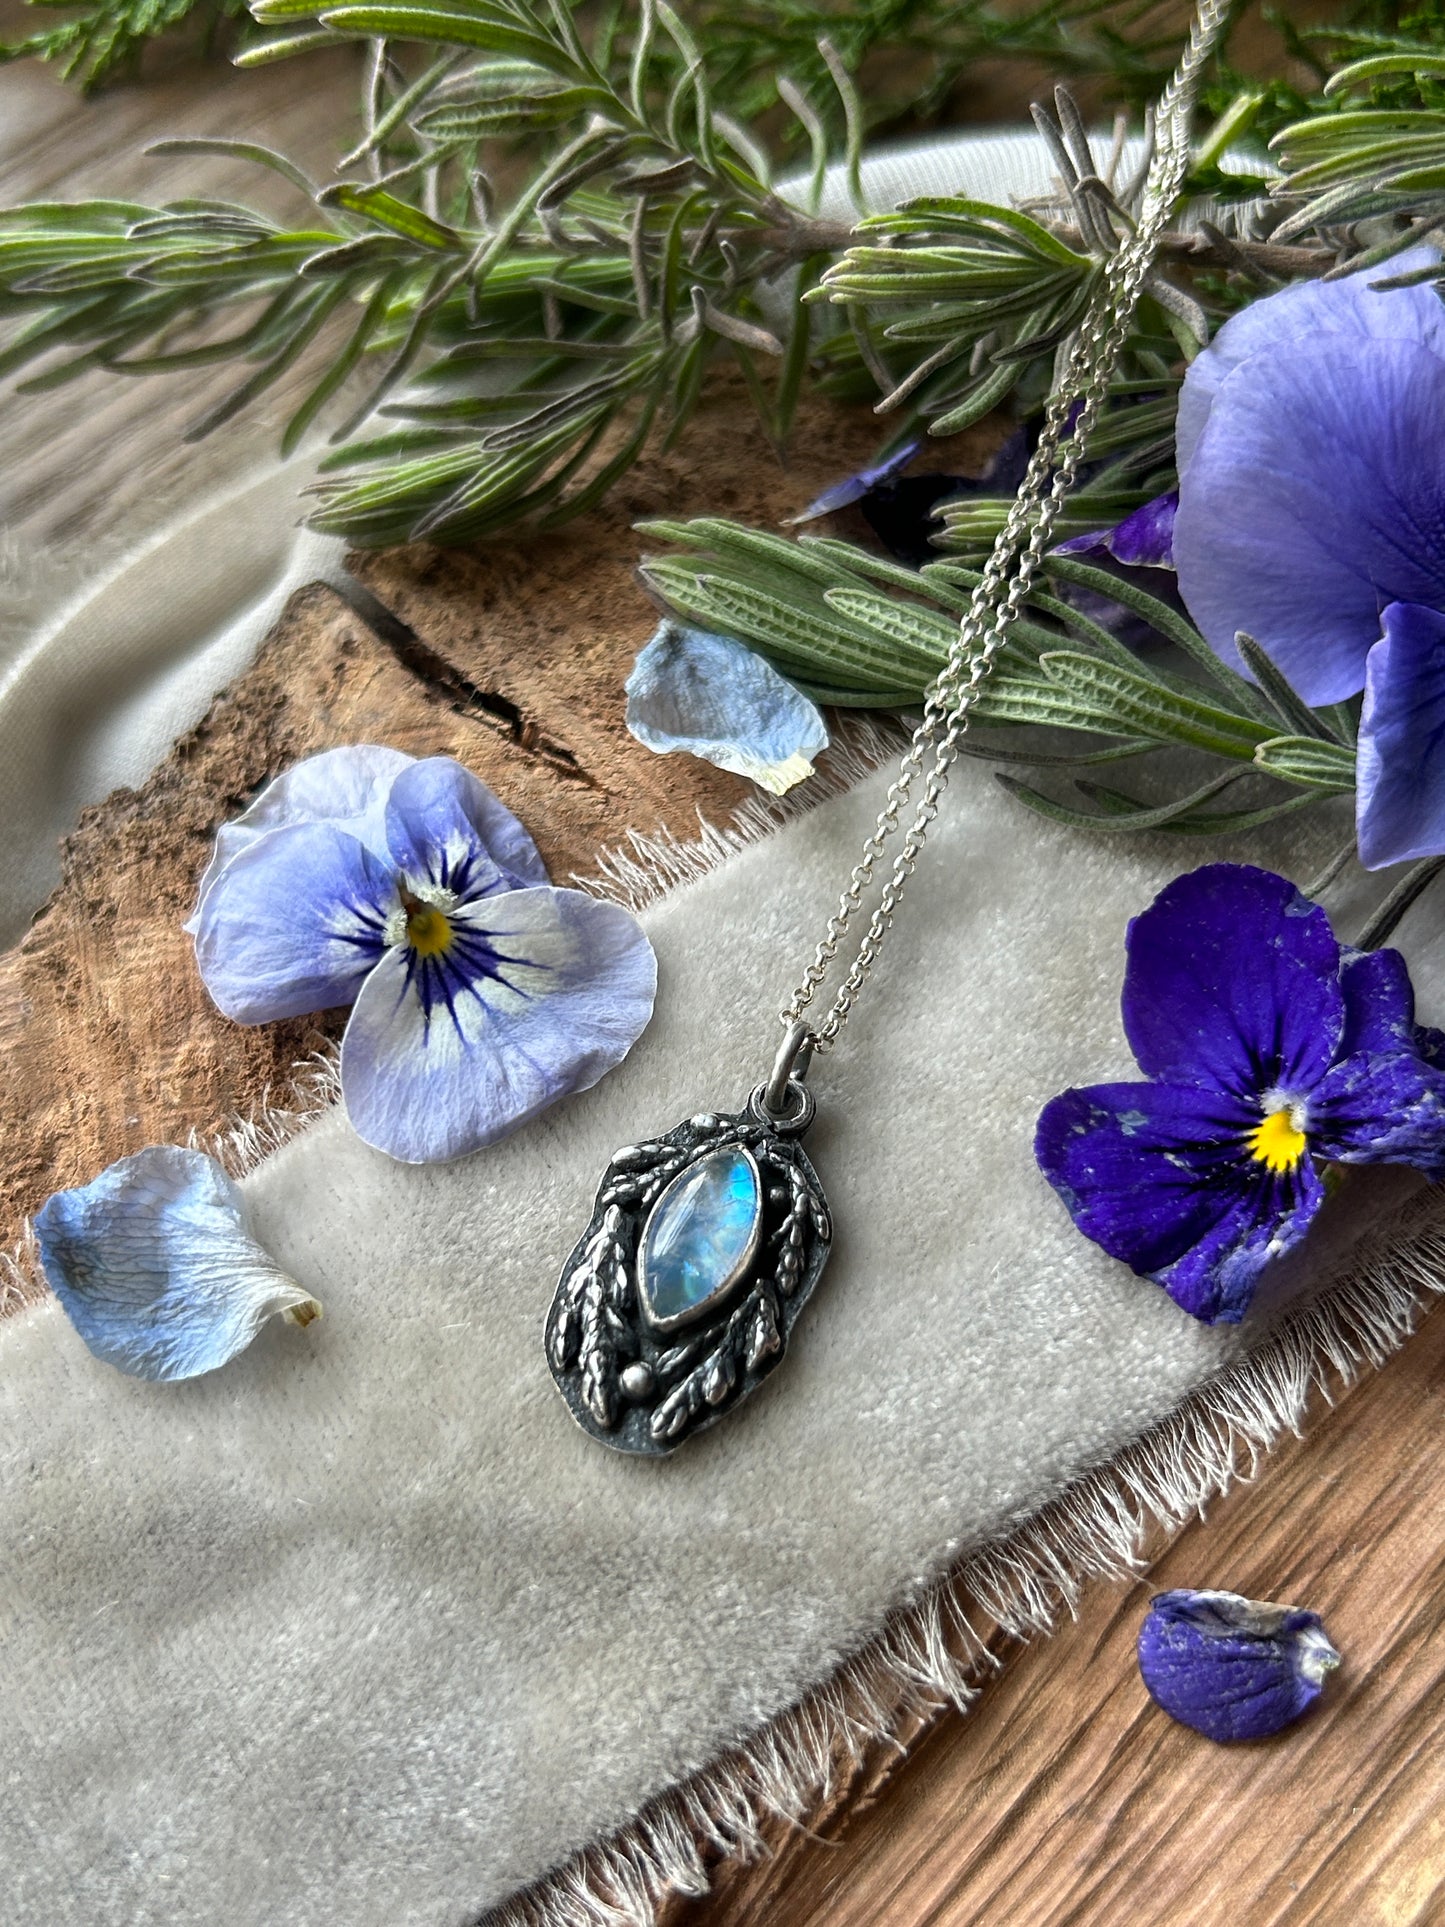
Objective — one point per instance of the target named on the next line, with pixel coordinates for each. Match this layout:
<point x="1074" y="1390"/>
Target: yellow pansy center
<point x="423" y="922"/>
<point x="428" y="930"/>
<point x="1278" y="1142"/>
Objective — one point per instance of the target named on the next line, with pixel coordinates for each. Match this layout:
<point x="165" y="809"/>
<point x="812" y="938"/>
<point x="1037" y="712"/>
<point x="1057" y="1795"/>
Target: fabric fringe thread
<point x="935" y="1652"/>
<point x="645" y="867"/>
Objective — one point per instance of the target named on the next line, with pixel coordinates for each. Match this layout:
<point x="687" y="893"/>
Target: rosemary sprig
<point x="482" y="362"/>
<point x="99" y="42"/>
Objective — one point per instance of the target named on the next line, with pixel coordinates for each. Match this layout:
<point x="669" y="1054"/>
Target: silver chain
<point x="1022" y="542"/>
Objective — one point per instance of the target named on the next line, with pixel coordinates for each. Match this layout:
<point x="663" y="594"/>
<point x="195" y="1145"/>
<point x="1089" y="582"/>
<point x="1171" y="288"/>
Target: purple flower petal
<point x="1232" y="1668"/>
<point x="1379" y="1002"/>
<point x="1351" y="308"/>
<point x="346" y="787"/>
<point x="1144" y="539"/>
<point x="293" y="923"/>
<point x="841" y="495"/>
<point x="1400" y="778"/>
<point x="1380" y="1109"/>
<point x="154" y="1266"/>
<point x="538" y="993"/>
<point x="715" y="698"/>
<point x="1232" y="980"/>
<point x="445" y="828"/>
<point x="1160" y="1176"/>
<point x="1315" y="497"/>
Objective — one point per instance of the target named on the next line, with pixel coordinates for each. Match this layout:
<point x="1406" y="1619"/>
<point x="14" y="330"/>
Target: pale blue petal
<point x="1352" y="308"/>
<point x="709" y="695"/>
<point x="542" y="993"/>
<point x="1316" y="497"/>
<point x="293" y="924"/>
<point x="155" y="1268"/>
<point x="1400" y="785"/>
<point x="444" y="827"/>
<point x="346" y="787"/>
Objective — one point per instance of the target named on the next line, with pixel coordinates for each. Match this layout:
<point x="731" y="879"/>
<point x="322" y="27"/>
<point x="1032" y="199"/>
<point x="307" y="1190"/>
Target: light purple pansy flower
<point x="479" y="993"/>
<point x="1268" y="1051"/>
<point x="1312" y="516"/>
<point x="1233" y="1668"/>
<point x="154" y="1264"/>
<point x="715" y="698"/>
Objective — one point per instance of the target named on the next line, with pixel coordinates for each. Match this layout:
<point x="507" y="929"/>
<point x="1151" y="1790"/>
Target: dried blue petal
<point x="1233" y="1668"/>
<point x="711" y="696"/>
<point x="154" y="1265"/>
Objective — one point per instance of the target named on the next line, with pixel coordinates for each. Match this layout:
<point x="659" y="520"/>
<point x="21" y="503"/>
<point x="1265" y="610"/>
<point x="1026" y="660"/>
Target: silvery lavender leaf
<point x="1233" y="1668"/>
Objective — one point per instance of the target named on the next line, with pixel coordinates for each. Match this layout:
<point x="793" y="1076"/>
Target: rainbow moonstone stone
<point x="701" y="1238"/>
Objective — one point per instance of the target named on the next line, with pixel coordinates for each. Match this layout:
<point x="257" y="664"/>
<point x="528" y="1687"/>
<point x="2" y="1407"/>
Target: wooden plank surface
<point x="1063" y="1800"/>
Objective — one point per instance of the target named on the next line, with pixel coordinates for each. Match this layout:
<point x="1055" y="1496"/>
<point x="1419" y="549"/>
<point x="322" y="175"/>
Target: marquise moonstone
<point x="700" y="1238"/>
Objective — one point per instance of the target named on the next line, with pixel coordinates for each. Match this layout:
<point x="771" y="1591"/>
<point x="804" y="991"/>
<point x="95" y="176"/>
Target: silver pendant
<point x="704" y="1246"/>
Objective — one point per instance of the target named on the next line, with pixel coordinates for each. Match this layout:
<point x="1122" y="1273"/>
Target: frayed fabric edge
<point x="934" y="1652"/>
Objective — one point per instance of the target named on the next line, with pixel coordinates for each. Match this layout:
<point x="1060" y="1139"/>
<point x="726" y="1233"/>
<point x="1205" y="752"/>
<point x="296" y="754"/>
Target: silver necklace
<point x="706" y="1242"/>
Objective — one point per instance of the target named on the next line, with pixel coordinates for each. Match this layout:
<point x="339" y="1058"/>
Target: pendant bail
<point x="784" y="1101"/>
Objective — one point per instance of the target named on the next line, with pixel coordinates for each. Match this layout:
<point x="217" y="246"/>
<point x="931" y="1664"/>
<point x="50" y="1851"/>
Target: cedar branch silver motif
<point x="643" y="1389"/>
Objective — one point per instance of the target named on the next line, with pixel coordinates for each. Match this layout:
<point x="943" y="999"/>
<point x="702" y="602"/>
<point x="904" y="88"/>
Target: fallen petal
<point x="1232" y="1668"/>
<point x="154" y="1266"/>
<point x="711" y="696"/>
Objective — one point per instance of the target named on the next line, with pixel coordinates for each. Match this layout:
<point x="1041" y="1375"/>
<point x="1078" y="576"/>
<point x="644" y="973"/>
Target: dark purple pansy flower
<point x="1233" y="1668"/>
<point x="1268" y="1050"/>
